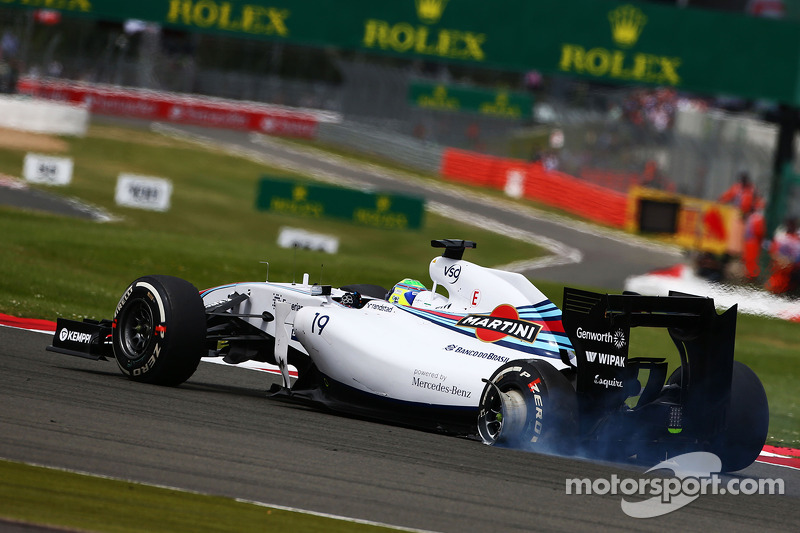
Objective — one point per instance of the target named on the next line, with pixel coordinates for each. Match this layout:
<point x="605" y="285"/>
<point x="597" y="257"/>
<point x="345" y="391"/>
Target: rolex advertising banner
<point x="440" y="97"/>
<point x="378" y="210"/>
<point x="625" y="42"/>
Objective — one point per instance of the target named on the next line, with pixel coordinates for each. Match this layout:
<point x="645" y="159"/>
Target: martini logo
<point x="503" y="321"/>
<point x="627" y="23"/>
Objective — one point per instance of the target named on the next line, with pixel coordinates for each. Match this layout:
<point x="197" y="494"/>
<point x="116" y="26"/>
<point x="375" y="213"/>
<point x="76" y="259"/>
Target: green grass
<point x="90" y="503"/>
<point x="54" y="266"/>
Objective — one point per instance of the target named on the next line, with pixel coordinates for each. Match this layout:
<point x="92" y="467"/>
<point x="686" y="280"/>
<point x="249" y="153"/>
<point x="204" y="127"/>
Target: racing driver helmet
<point x="404" y="292"/>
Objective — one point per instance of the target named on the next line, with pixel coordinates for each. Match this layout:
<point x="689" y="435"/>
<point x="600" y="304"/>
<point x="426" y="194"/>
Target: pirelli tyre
<point x="159" y="330"/>
<point x="747" y="420"/>
<point x="529" y="404"/>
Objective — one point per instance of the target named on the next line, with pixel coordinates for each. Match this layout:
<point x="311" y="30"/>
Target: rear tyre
<point x="747" y="422"/>
<point x="530" y="405"/>
<point x="741" y="441"/>
<point x="159" y="330"/>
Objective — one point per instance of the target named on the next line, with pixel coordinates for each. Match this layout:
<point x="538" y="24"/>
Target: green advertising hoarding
<point x="377" y="210"/>
<point x="440" y="97"/>
<point x="627" y="42"/>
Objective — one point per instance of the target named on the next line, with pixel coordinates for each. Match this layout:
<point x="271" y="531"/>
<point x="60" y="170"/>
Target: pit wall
<point x="43" y="117"/>
<point x="179" y="108"/>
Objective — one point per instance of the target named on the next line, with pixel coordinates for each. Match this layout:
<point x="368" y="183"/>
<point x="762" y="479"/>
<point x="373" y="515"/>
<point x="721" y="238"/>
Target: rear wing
<point x="598" y="325"/>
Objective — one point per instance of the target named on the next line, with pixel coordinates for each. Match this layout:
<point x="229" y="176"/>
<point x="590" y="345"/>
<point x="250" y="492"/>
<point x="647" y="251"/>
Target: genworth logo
<point x="696" y="474"/>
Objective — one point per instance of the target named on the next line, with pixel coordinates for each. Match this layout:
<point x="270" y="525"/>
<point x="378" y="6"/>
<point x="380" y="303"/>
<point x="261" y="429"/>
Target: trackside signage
<point x="177" y="108"/>
<point x="143" y="192"/>
<point x="377" y="210"/>
<point x="47" y="170"/>
<point x="622" y="42"/>
<point x="455" y="98"/>
<point x="306" y="240"/>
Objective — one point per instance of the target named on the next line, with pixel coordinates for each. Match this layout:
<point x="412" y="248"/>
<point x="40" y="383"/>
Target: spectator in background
<point x="741" y="194"/>
<point x="754" y="233"/>
<point x="8" y="75"/>
<point x="785" y="255"/>
<point x="9" y="44"/>
<point x="653" y="178"/>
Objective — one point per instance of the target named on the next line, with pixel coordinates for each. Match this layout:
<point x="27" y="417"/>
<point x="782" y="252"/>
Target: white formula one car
<point x="494" y="358"/>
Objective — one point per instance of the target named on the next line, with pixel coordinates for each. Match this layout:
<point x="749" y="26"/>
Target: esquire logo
<point x="503" y="321"/>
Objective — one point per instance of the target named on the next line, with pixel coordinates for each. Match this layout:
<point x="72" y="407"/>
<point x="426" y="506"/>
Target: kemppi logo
<point x="74" y="336"/>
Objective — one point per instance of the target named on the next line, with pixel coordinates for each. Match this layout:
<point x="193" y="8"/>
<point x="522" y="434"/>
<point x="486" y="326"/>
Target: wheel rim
<point x="137" y="329"/>
<point x="490" y="422"/>
<point x="503" y="414"/>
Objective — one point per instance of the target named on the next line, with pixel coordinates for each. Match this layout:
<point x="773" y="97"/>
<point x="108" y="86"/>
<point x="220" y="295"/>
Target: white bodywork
<point x="421" y="354"/>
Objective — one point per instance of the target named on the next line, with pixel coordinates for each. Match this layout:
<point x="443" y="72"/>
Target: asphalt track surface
<point x="219" y="434"/>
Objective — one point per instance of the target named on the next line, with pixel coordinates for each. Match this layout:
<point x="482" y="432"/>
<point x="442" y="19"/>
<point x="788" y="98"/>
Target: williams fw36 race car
<point x="493" y="359"/>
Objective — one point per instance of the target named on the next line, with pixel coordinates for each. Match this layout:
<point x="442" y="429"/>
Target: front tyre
<point x="529" y="405"/>
<point x="159" y="330"/>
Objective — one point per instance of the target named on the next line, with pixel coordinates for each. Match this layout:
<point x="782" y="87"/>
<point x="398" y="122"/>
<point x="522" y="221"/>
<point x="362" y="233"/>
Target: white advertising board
<point x="48" y="170"/>
<point x="291" y="237"/>
<point x="143" y="192"/>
